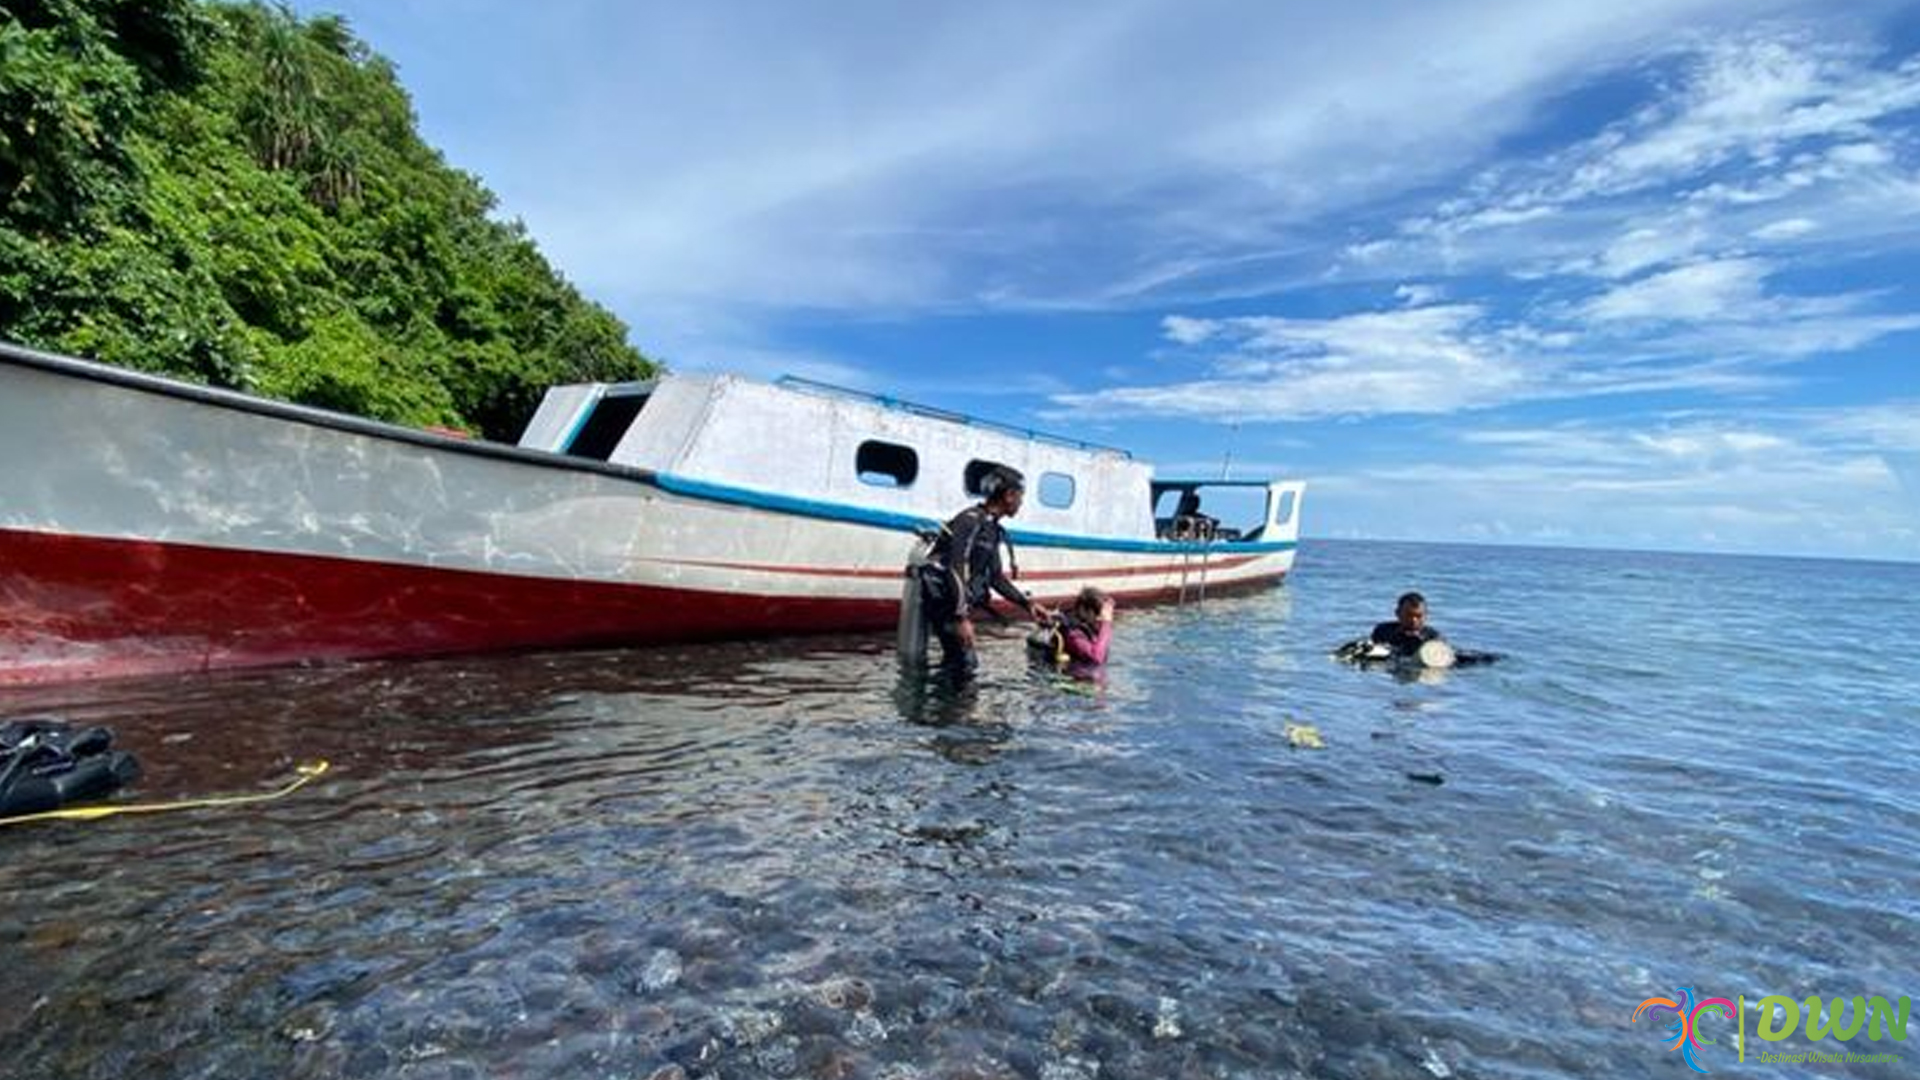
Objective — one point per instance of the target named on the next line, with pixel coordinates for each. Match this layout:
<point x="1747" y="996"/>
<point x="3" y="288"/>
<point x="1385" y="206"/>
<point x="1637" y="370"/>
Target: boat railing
<point x="795" y="382"/>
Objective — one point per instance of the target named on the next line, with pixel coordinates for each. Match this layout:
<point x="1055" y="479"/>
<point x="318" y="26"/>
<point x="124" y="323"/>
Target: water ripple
<point x="780" y="859"/>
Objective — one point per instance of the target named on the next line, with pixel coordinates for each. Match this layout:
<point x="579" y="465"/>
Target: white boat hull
<point x="147" y="525"/>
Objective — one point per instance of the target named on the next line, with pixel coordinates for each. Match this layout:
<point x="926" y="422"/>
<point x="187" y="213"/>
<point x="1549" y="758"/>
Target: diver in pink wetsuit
<point x="1089" y="627"/>
<point x="1079" y="640"/>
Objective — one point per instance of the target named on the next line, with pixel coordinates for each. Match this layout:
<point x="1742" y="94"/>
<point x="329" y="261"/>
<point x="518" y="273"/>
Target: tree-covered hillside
<point x="236" y="195"/>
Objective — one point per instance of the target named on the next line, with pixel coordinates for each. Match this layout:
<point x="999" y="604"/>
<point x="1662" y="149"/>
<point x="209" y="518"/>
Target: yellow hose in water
<point x="89" y="813"/>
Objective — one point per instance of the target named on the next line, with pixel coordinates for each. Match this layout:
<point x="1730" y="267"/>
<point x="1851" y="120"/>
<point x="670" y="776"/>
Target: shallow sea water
<point x="782" y="859"/>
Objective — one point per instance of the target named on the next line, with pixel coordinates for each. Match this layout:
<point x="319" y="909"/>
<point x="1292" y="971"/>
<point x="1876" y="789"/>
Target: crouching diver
<point x="46" y="765"/>
<point x="959" y="571"/>
<point x="1078" y="639"/>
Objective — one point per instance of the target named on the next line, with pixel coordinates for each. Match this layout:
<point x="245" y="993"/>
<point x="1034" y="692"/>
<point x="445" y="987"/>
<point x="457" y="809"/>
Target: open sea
<point x="782" y="859"/>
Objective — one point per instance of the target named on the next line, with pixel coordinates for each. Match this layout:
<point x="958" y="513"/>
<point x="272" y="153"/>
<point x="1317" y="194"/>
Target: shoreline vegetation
<point x="234" y="195"/>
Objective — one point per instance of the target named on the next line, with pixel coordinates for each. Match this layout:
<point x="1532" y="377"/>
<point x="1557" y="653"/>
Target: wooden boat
<point x="149" y="525"/>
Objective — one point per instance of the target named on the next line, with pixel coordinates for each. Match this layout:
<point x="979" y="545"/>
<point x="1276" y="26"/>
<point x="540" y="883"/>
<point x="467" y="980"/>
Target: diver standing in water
<point x="964" y="566"/>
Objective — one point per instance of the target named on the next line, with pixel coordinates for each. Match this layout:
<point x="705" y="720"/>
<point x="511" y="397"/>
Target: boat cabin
<point x="1221" y="510"/>
<point x="800" y="439"/>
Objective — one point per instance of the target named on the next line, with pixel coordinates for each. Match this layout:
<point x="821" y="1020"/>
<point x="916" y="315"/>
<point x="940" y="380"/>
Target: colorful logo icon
<point x="1685" y="1027"/>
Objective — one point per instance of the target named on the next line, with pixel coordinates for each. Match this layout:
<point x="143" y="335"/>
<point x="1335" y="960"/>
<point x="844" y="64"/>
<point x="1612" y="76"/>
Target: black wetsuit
<point x="1402" y="641"/>
<point x="962" y="568"/>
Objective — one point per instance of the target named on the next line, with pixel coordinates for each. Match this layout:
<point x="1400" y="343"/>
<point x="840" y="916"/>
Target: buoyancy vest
<point x="46" y="764"/>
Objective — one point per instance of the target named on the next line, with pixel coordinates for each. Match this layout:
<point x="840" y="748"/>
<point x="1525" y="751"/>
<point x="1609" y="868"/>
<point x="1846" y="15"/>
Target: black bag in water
<point x="46" y="764"/>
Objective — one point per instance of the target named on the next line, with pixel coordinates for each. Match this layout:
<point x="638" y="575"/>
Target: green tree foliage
<point x="234" y="194"/>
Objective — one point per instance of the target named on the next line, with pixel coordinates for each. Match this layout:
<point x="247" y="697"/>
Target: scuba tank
<point x="1364" y="651"/>
<point x="1435" y="653"/>
<point x="911" y="633"/>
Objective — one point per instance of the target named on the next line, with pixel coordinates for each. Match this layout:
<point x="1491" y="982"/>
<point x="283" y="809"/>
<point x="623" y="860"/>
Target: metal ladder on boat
<point x="1188" y="575"/>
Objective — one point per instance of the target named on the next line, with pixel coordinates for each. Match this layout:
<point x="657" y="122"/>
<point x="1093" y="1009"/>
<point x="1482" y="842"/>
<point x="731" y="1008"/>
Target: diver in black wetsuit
<point x="965" y="565"/>
<point x="1409" y="641"/>
<point x="1409" y="630"/>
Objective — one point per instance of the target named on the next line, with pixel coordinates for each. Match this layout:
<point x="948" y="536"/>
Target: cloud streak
<point x="753" y="154"/>
<point x="1711" y="327"/>
<point x="1803" y="480"/>
<point x="1411" y="360"/>
<point x="1776" y="139"/>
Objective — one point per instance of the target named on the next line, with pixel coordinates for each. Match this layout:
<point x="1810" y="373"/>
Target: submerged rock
<point x="749" y="1027"/>
<point x="844" y="993"/>
<point x="1070" y="1068"/>
<point x="661" y="973"/>
<point x="1166" y="1019"/>
<point x="866" y="1029"/>
<point x="945" y="832"/>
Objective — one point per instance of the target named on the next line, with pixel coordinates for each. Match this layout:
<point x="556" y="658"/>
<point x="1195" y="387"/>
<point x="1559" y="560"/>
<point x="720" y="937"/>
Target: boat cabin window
<point x="1056" y="490"/>
<point x="885" y="464"/>
<point x="1202" y="512"/>
<point x="977" y="471"/>
<point x="1284" y="514"/>
<point x="612" y="416"/>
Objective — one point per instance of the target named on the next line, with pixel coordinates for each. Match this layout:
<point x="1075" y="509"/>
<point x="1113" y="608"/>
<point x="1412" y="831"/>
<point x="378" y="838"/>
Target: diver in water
<point x="964" y="566"/>
<point x="1408" y="630"/>
<point x="1409" y="641"/>
<point x="1078" y="639"/>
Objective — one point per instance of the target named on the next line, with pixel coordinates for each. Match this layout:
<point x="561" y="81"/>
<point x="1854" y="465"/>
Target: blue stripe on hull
<point x="886" y="519"/>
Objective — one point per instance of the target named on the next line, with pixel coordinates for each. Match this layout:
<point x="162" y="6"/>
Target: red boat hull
<point x="83" y="607"/>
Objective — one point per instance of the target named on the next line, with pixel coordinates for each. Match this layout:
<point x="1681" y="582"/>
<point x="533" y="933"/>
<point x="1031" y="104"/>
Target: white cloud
<point x="1787" y="329"/>
<point x="1788" y="480"/>
<point x="1652" y="451"/>
<point x="1644" y="247"/>
<point x="1185" y="331"/>
<point x="1710" y="327"/>
<point x="1004" y="153"/>
<point x="1784" y="229"/>
<point x="1369" y="251"/>
<point x="1758" y="137"/>
<point x="1892" y="426"/>
<point x="1705" y="291"/>
<point x="1723" y="309"/>
<point x="1867" y="154"/>
<point x="1706" y="444"/>
<point x="1431" y="359"/>
<point x="1752" y="100"/>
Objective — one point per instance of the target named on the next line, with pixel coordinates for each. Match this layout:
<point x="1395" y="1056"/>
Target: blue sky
<point x="1633" y="274"/>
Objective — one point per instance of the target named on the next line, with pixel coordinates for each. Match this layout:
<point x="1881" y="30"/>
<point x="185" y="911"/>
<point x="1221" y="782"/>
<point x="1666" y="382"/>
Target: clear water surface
<point x="779" y="859"/>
